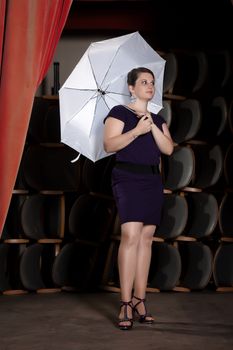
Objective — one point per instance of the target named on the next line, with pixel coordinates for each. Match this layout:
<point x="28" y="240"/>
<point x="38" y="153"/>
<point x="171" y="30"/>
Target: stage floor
<point x="83" y="321"/>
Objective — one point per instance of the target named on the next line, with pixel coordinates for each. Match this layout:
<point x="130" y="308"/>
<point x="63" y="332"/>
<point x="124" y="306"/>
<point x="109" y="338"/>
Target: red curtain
<point x="29" y="33"/>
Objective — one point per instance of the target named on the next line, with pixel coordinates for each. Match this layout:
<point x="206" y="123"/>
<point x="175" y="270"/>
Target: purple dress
<point x="139" y="197"/>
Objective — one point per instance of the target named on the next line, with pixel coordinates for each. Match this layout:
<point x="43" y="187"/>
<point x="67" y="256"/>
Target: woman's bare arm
<point x="163" y="138"/>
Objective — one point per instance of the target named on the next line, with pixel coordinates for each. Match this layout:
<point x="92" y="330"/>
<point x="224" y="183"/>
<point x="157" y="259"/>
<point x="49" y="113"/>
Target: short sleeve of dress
<point x="116" y="112"/>
<point x="158" y="120"/>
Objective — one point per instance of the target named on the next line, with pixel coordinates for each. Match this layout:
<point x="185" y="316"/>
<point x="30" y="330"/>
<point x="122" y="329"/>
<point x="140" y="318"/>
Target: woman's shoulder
<point x="159" y="119"/>
<point x="117" y="112"/>
<point x="117" y="109"/>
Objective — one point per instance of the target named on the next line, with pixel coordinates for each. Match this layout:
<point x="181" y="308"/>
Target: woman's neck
<point x="138" y="107"/>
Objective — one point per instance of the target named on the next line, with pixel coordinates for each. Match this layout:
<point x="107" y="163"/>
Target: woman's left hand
<point x="148" y="115"/>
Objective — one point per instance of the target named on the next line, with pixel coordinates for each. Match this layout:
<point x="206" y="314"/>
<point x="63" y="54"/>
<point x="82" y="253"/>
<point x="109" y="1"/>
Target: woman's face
<point x="144" y="87"/>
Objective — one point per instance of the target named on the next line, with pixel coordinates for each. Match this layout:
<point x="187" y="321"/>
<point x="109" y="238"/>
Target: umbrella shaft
<point x="56" y="83"/>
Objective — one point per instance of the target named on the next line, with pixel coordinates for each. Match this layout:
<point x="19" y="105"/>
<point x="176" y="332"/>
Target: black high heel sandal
<point x="145" y="318"/>
<point x="125" y="327"/>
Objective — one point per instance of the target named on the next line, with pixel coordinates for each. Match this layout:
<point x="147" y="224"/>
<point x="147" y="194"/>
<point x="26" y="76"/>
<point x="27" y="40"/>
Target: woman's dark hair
<point x="134" y="73"/>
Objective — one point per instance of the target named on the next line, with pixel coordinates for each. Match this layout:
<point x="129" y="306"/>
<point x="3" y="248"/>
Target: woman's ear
<point x="131" y="89"/>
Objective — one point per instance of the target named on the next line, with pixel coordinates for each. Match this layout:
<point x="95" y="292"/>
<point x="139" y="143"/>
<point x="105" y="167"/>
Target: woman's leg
<point x="127" y="260"/>
<point x="143" y="264"/>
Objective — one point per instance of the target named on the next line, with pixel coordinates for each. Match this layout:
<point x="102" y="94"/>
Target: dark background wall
<point x="186" y="24"/>
<point x="165" y="24"/>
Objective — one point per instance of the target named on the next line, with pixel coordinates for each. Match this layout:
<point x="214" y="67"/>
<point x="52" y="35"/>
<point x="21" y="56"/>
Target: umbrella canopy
<point x="98" y="83"/>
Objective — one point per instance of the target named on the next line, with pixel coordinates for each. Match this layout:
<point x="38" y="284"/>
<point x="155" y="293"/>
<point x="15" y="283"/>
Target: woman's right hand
<point x="143" y="126"/>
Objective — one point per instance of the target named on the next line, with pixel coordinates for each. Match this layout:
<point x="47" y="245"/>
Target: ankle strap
<point x="129" y="303"/>
<point x="141" y="300"/>
<point x="125" y="304"/>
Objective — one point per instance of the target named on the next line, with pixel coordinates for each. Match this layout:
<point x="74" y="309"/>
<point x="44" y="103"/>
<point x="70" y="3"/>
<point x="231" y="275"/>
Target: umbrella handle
<point x="75" y="159"/>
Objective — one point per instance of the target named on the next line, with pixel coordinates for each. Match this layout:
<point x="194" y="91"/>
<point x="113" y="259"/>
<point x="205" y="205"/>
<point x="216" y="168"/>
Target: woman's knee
<point x="130" y="239"/>
<point x="147" y="236"/>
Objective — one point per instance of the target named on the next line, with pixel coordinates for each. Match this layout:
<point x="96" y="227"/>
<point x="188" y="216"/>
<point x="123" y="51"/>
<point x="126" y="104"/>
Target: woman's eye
<point x="145" y="82"/>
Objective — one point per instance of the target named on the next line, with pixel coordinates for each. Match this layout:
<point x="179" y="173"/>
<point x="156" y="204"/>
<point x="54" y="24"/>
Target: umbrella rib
<point x="109" y="67"/>
<point x="69" y="88"/>
<point x="113" y="99"/>
<point x="105" y="101"/>
<point x="101" y="96"/>
<point x="93" y="73"/>
<point x="116" y="93"/>
<point x="91" y="98"/>
<point x="98" y="97"/>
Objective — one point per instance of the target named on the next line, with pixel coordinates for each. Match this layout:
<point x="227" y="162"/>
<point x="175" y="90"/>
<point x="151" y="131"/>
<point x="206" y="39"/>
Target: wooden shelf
<point x="16" y="241"/>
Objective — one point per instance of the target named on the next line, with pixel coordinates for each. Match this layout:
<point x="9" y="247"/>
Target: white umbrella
<point x="98" y="83"/>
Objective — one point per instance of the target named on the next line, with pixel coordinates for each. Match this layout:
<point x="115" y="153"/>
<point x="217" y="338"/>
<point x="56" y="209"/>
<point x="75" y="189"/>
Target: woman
<point x="138" y="137"/>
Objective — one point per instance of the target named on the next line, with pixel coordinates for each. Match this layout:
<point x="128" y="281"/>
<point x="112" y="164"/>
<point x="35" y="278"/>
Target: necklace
<point x="138" y="113"/>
